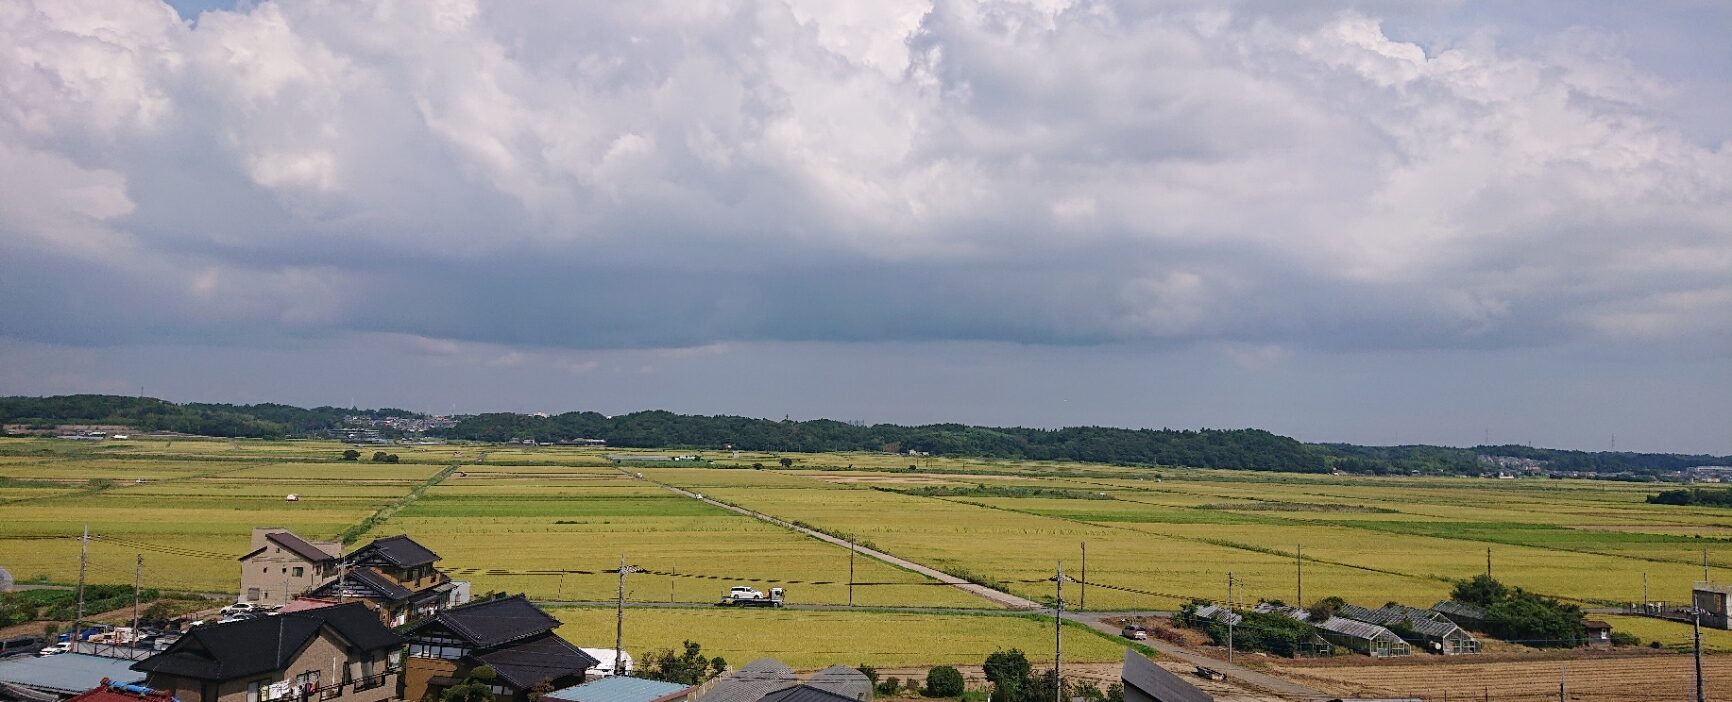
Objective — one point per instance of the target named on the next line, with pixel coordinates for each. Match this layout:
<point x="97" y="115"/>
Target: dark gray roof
<point x="400" y="551"/>
<point x="804" y="693"/>
<point x="527" y="663"/>
<point x="299" y="546"/>
<point x="1424" y="622"/>
<point x="351" y="583"/>
<point x="844" y="681"/>
<point x="1154" y="681"/>
<point x="489" y="623"/>
<point x="751" y="682"/>
<point x="1356" y="629"/>
<point x="253" y="646"/>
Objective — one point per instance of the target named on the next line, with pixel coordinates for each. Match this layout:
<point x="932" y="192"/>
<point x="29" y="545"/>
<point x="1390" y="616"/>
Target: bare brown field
<point x="1619" y="677"/>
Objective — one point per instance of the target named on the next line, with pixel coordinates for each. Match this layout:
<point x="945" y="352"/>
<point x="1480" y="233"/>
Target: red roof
<point x="107" y="692"/>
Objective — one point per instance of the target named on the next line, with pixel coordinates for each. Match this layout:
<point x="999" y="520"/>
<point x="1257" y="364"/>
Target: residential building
<point x="623" y="689"/>
<point x="396" y="577"/>
<point x="1146" y="682"/>
<point x="509" y="634"/>
<point x="282" y="566"/>
<point x="339" y="653"/>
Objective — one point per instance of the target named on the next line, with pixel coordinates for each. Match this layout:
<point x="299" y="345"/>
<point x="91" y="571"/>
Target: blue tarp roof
<point x="618" y="689"/>
<point x="66" y="673"/>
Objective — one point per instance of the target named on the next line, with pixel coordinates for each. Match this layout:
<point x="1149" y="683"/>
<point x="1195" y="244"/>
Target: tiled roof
<point x="489" y="623"/>
<point x="400" y="551"/>
<point x="619" y="688"/>
<point x="844" y="681"/>
<point x="299" y="546"/>
<point x="528" y="663"/>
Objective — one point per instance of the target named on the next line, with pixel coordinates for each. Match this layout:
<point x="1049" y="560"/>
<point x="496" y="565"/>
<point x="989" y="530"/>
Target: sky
<point x="1376" y="222"/>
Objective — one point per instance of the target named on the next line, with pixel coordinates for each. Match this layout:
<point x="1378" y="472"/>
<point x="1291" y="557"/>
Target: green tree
<point x="1480" y="590"/>
<point x="390" y="458"/>
<point x="378" y="456"/>
<point x="889" y="687"/>
<point x="1008" y="671"/>
<point x="943" y="681"/>
<point x="476" y="687"/>
<point x="786" y="462"/>
<point x="687" y="667"/>
<point x="351" y="455"/>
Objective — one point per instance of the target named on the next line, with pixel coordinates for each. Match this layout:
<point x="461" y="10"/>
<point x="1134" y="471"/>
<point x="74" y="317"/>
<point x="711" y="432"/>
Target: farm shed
<point x="1219" y="613"/>
<point x="1369" y="639"/>
<point x="1462" y="614"/>
<point x="1599" y="633"/>
<point x="750" y="683"/>
<point x="1711" y="599"/>
<point x="844" y="681"/>
<point x="1434" y="631"/>
<point x="1146" y="682"/>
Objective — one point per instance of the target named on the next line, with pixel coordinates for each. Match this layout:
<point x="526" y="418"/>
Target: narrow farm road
<point x="1093" y="620"/>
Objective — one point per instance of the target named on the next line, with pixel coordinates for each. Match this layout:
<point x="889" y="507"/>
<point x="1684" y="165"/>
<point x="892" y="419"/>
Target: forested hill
<point x="1249" y="449"/>
<point x="151" y="414"/>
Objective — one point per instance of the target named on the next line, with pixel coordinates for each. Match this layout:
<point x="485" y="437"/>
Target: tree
<point x="1116" y="692"/>
<point x="477" y="687"/>
<point x="889" y="687"/>
<point x="351" y="455"/>
<point x="1480" y="590"/>
<point x="870" y="672"/>
<point x="786" y="462"/>
<point x="689" y="667"/>
<point x="943" y="681"/>
<point x="378" y="456"/>
<point x="390" y="458"/>
<point x="1009" y="672"/>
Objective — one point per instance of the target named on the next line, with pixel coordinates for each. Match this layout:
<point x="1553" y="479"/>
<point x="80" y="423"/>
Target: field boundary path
<point x="1004" y="599"/>
<point x="1093" y="620"/>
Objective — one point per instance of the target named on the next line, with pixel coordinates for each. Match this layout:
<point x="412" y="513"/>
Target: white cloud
<point x="684" y="174"/>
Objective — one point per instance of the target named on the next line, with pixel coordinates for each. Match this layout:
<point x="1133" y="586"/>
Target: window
<point x="366" y="667"/>
<point x="252" y="594"/>
<point x="257" y="689"/>
<point x="299" y="571"/>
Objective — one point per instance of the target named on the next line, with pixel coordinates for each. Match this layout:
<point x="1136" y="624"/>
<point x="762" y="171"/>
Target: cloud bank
<point x="669" y="175"/>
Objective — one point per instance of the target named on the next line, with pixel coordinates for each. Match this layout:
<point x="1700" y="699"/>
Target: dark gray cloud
<point x="1264" y="181"/>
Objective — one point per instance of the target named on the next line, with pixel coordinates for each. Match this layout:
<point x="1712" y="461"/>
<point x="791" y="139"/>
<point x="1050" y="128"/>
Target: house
<point x="1146" y="682"/>
<point x="1467" y="616"/>
<point x="1711" y="600"/>
<point x="338" y="653"/>
<point x="623" y="689"/>
<point x="60" y="676"/>
<point x="1599" y="633"/>
<point x="749" y="683"/>
<point x="395" y="576"/>
<point x="281" y="566"/>
<point x="1433" y="631"/>
<point x="1369" y="639"/>
<point x="508" y="634"/>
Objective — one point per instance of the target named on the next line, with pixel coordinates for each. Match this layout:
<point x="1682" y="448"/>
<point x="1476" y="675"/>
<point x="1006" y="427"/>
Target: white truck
<point x="745" y="596"/>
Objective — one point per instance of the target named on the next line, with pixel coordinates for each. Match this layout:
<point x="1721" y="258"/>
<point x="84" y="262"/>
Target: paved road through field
<point x="1234" y="671"/>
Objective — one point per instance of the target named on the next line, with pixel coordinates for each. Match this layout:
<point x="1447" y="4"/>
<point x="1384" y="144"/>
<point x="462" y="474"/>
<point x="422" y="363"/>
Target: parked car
<point x="1135" y="632"/>
<point x="55" y="650"/>
<point x="239" y="607"/>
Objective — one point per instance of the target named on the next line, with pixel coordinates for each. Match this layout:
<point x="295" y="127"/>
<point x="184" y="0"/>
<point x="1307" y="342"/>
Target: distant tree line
<point x="1251" y="449"/>
<point x="1245" y="449"/>
<point x="1693" y="496"/>
<point x="268" y="420"/>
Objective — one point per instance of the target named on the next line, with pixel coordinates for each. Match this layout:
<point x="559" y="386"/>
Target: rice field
<point x="807" y="639"/>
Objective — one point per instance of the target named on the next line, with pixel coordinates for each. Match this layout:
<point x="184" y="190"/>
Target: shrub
<point x="889" y="687"/>
<point x="943" y="681"/>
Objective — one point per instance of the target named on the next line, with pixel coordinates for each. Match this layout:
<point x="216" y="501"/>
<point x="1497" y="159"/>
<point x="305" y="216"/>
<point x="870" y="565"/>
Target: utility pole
<point x="1705" y="577"/>
<point x="851" y="551"/>
<point x="137" y="581"/>
<point x="1561" y="692"/>
<point x="1083" y="598"/>
<point x="83" y="564"/>
<point x="1058" y="634"/>
<point x="1229" y="616"/>
<point x="1644" y="591"/>
<point x="671" y="578"/>
<point x="1701" y="693"/>
<point x="1299" y="572"/>
<point x="1488" y="561"/>
<point x="619" y="620"/>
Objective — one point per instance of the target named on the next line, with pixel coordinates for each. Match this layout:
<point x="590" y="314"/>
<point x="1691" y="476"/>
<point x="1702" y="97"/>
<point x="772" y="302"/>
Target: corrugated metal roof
<point x="844" y="681"/>
<point x="1419" y="620"/>
<point x="1219" y="613"/>
<point x="66" y="673"/>
<point x="751" y="682"/>
<point x="1154" y="681"/>
<point x="1464" y="610"/>
<point x="1355" y="628"/>
<point x="619" y="688"/>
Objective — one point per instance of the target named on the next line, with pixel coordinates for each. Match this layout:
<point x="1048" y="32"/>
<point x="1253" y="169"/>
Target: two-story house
<point x="509" y="634"/>
<point x="282" y="566"/>
<point x="339" y="653"/>
<point x="397" y="578"/>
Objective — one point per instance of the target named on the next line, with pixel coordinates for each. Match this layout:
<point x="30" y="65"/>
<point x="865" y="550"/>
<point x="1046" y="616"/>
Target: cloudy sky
<point x="1378" y="222"/>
